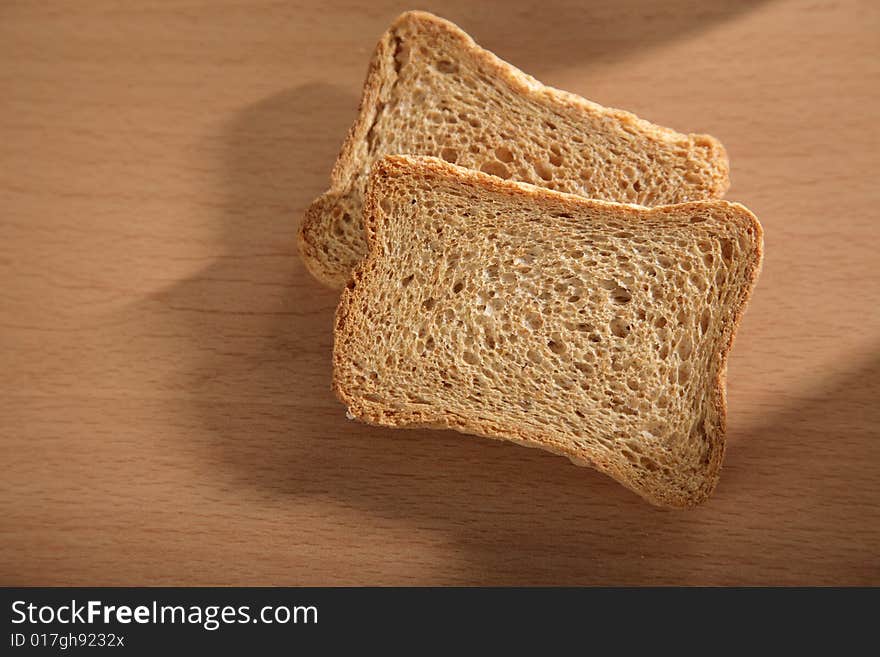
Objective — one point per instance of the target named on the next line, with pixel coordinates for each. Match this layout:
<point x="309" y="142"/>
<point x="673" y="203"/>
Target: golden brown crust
<point x="310" y="237"/>
<point x="314" y="230"/>
<point x="376" y="413"/>
<point x="720" y="384"/>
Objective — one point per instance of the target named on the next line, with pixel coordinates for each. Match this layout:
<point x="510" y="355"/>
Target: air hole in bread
<point x="619" y="327"/>
<point x="704" y="321"/>
<point x="586" y="368"/>
<point x="634" y="445"/>
<point x="534" y="320"/>
<point x="726" y="249"/>
<point x="620" y="295"/>
<point x="447" y="67"/>
<point x="649" y="464"/>
<point x="543" y="170"/>
<point x="556" y="344"/>
<point x="684" y="348"/>
<point x="495" y="168"/>
<point x="504" y="154"/>
<point x="684" y="373"/>
<point x="563" y="382"/>
<point x="449" y="154"/>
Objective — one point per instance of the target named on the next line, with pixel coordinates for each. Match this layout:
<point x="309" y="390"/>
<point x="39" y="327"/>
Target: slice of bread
<point x="595" y="330"/>
<point x="430" y="90"/>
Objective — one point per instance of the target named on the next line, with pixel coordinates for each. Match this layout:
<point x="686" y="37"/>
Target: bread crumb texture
<point x="430" y="90"/>
<point x="595" y="330"/>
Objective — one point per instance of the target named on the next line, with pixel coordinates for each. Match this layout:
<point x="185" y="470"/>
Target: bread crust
<point x="375" y="413"/>
<point x="381" y="73"/>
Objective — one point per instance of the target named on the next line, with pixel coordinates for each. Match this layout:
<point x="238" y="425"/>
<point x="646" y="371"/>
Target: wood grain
<point x="166" y="415"/>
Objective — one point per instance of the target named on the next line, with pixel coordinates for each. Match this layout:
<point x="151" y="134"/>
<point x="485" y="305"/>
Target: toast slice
<point x="430" y="90"/>
<point x="595" y="330"/>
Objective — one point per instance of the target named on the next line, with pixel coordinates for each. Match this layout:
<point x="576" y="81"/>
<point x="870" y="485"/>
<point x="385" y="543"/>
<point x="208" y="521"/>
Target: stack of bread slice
<point x="520" y="263"/>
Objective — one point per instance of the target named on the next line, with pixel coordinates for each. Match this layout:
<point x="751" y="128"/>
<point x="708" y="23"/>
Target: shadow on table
<point x="541" y="36"/>
<point x="812" y="469"/>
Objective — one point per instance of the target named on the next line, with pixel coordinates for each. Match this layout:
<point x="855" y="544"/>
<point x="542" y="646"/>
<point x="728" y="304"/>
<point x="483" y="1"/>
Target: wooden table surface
<point x="166" y="414"/>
